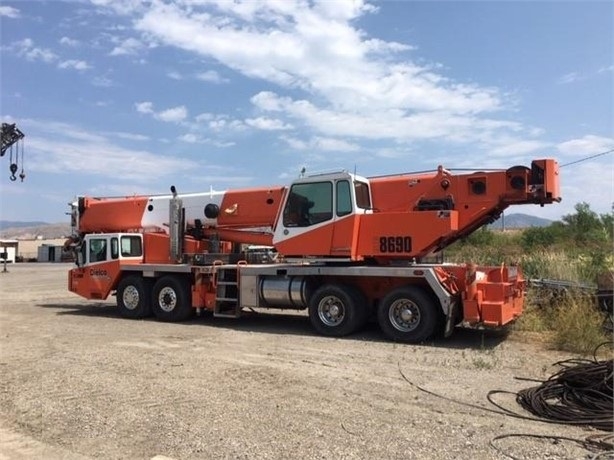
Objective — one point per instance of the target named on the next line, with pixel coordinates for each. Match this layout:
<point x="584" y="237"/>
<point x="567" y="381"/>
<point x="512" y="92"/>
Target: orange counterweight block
<point x="493" y="296"/>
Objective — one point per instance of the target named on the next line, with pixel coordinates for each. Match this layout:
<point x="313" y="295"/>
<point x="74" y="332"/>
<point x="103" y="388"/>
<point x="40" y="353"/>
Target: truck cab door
<point x="101" y="265"/>
<point x="352" y="200"/>
<point x="305" y="227"/>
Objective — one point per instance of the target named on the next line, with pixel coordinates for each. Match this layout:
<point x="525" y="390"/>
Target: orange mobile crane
<point x="345" y="247"/>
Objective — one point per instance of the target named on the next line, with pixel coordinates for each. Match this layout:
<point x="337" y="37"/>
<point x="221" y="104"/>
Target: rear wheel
<point x="408" y="314"/>
<point x="134" y="297"/>
<point x="336" y="310"/>
<point x="171" y="299"/>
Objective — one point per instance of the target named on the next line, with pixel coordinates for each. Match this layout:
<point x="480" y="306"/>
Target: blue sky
<point x="124" y="97"/>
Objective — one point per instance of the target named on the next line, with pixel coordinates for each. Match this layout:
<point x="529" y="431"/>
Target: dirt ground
<point x="78" y="382"/>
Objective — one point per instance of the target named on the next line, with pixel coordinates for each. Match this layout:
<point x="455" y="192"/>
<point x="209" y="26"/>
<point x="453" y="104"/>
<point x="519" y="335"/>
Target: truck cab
<point x="99" y="260"/>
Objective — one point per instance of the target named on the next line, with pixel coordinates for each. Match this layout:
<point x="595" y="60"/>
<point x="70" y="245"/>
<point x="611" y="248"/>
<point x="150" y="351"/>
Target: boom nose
<point x="544" y="182"/>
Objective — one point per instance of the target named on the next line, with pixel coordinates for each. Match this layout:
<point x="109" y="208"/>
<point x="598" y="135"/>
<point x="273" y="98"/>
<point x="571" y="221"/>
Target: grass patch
<point x="570" y="323"/>
<point x="578" y="326"/>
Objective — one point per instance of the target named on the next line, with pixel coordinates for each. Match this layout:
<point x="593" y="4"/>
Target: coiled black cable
<point x="581" y="393"/>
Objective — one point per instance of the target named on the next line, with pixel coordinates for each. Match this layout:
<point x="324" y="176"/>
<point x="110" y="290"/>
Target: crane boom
<point x="429" y="211"/>
<point x="10" y="134"/>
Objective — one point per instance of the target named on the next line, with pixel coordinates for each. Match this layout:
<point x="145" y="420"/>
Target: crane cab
<point x="321" y="213"/>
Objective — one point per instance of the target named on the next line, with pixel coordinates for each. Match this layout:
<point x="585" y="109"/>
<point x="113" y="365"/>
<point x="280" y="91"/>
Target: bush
<point x="578" y="325"/>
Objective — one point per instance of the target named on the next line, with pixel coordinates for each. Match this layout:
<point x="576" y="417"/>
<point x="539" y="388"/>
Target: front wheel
<point x="134" y="297"/>
<point x="171" y="299"/>
<point x="336" y="310"/>
<point x="408" y="314"/>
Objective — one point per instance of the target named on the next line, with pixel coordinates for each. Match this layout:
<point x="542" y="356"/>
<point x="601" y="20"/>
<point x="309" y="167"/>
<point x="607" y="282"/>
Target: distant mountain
<point x="32" y="230"/>
<point x="18" y="224"/>
<point x="519" y="220"/>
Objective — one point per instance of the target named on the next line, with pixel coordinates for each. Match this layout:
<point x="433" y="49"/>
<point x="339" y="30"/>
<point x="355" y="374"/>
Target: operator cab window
<point x="309" y="204"/>
<point x="98" y="249"/>
<point x="363" y="200"/>
<point x="344" y="198"/>
<point x="114" y="248"/>
<point x="131" y="246"/>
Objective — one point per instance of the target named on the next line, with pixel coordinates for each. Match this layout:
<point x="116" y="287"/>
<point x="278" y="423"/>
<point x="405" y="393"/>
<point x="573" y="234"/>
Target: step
<point x="226" y="299"/>
<point x="226" y="315"/>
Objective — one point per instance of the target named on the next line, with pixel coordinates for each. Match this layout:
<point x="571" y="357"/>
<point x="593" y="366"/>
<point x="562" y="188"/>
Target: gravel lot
<point x="79" y="382"/>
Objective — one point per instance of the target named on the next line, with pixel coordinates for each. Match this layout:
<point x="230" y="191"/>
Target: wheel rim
<point x="167" y="299"/>
<point x="404" y="315"/>
<point x="331" y="311"/>
<point x="131" y="297"/>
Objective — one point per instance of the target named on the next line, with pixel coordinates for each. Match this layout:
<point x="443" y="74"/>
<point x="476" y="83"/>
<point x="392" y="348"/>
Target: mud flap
<point x="450" y="319"/>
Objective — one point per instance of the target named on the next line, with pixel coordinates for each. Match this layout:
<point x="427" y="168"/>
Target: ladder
<point x="227" y="293"/>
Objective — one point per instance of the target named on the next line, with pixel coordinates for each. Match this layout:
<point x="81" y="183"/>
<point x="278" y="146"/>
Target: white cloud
<point x="315" y="48"/>
<point x="74" y="64"/>
<point x="130" y="136"/>
<point x="586" y="145"/>
<point x="174" y="75"/>
<point x="129" y="46"/>
<point x="390" y="124"/>
<point x="191" y="138"/>
<point x="223" y="123"/>
<point x="9" y="12"/>
<point x="321" y="143"/>
<point x="353" y="85"/>
<point x="294" y="143"/>
<point x="25" y="48"/>
<point x="102" y="81"/>
<point x="64" y="149"/>
<point x="122" y="7"/>
<point x="569" y="78"/>
<point x="573" y="77"/>
<point x="204" y="117"/>
<point x="336" y="145"/>
<point x="69" y="42"/>
<point x="267" y="124"/>
<point x="219" y="122"/>
<point x="518" y="148"/>
<point x="144" y="107"/>
<point x="211" y="76"/>
<point x="174" y="114"/>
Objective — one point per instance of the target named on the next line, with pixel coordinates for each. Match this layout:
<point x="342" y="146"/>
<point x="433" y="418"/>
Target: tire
<point x="171" y="300"/>
<point x="336" y="310"/>
<point x="408" y="314"/>
<point x="134" y="297"/>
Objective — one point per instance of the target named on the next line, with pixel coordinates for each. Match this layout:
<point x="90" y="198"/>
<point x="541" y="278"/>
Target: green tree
<point x="585" y="226"/>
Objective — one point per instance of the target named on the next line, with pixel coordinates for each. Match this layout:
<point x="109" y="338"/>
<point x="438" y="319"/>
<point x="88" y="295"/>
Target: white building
<point x="8" y="250"/>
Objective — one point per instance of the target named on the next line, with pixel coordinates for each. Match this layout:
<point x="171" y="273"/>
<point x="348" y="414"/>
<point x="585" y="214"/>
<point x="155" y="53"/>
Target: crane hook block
<point x="13" y="169"/>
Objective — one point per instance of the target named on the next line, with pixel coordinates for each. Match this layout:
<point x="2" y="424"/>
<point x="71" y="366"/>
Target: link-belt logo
<point x="98" y="272"/>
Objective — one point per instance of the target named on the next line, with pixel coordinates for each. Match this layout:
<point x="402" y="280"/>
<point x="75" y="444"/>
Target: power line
<point x="587" y="158"/>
